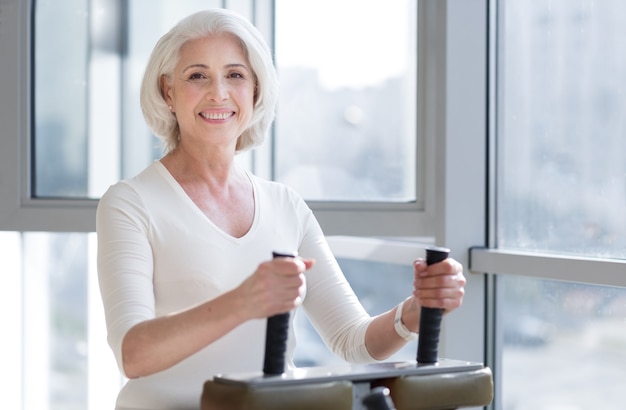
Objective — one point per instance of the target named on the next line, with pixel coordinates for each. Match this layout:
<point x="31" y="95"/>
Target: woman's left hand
<point x="440" y="285"/>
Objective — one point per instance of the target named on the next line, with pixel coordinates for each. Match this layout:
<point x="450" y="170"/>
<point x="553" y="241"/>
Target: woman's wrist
<point x="411" y="314"/>
<point x="402" y="315"/>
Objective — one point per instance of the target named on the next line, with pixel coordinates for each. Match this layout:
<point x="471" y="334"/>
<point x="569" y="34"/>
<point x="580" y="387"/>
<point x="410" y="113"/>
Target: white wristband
<point x="402" y="330"/>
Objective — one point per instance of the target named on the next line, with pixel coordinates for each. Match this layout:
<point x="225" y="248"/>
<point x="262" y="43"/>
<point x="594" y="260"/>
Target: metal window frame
<point x="19" y="211"/>
<point x="452" y="113"/>
<point x="495" y="263"/>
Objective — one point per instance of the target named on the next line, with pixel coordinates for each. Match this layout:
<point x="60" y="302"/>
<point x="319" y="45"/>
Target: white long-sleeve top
<point x="159" y="254"/>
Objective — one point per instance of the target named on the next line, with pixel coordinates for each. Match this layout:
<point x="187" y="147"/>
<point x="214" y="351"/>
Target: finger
<point x="440" y="281"/>
<point x="304" y="264"/>
<point x="447" y="299"/>
<point x="445" y="267"/>
<point x="439" y="293"/>
<point x="308" y="263"/>
<point x="448" y="304"/>
<point x="290" y="295"/>
<point x="287" y="266"/>
<point x="419" y="266"/>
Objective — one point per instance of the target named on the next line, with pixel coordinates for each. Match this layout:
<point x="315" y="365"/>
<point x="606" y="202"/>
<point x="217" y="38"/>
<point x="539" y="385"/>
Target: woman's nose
<point x="217" y="91"/>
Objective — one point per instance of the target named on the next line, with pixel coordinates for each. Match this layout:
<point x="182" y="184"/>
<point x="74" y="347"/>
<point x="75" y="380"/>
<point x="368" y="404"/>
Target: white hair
<point x="165" y="56"/>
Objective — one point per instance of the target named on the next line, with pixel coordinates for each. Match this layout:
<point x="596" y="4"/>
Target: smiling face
<point x="211" y="91"/>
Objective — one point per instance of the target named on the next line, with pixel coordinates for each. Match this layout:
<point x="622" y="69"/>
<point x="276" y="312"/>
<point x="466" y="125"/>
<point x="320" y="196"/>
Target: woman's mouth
<point x="217" y="115"/>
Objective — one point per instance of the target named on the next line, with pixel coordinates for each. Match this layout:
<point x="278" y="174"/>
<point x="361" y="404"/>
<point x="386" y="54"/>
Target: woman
<point x="184" y="248"/>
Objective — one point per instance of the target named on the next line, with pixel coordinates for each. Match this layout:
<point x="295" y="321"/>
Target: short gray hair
<point x="165" y="56"/>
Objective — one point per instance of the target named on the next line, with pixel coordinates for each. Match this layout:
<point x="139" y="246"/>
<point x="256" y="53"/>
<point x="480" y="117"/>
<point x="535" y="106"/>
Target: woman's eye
<point x="236" y="75"/>
<point x="196" y="76"/>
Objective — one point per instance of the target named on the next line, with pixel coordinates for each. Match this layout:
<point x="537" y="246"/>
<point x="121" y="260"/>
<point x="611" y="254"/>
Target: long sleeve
<point x="330" y="303"/>
<point x="125" y="264"/>
<point x="159" y="254"/>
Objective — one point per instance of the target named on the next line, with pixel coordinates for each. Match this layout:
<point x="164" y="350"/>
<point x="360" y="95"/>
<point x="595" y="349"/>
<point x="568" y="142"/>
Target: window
<point x="87" y="135"/>
<point x="346" y="130"/>
<point x="563" y="344"/>
<point x="77" y="128"/>
<point x="380" y="273"/>
<point x="560" y="203"/>
<point x="61" y="110"/>
<point x="561" y="147"/>
<point x="89" y="130"/>
<point x="346" y="125"/>
<point x="55" y="352"/>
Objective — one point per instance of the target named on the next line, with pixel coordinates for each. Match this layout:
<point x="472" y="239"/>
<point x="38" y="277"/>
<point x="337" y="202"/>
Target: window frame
<point x="452" y="121"/>
<point x="415" y="218"/>
<point x="569" y="268"/>
<point x="458" y="169"/>
<point x="493" y="262"/>
<point x="21" y="211"/>
<point x="18" y="210"/>
<point x="452" y="103"/>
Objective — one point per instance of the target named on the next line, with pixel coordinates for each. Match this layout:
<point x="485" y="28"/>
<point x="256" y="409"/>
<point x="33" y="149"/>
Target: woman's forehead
<point x="214" y="46"/>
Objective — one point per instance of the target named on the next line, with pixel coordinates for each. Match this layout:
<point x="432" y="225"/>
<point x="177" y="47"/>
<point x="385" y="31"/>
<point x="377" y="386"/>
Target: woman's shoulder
<point x="275" y="188"/>
<point x="133" y="187"/>
<point x="149" y="175"/>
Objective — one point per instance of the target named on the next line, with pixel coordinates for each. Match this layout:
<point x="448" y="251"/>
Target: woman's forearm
<point x="381" y="339"/>
<point x="157" y="344"/>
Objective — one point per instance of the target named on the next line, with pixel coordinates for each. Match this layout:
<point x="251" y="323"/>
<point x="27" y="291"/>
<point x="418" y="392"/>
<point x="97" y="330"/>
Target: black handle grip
<point x="276" y="336"/>
<point x="430" y="318"/>
<point x="378" y="399"/>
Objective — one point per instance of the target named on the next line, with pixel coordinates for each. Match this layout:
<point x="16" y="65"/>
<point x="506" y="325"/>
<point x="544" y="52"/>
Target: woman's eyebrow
<point x="206" y="67"/>
<point x="194" y="66"/>
<point x="237" y="65"/>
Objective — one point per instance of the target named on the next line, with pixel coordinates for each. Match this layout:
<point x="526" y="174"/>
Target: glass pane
<point x="564" y="345"/>
<point x="66" y="361"/>
<point x="60" y="98"/>
<point x="89" y="130"/>
<point x="379" y="286"/>
<point x="360" y="146"/>
<point x="139" y="146"/>
<point x="346" y="125"/>
<point x="562" y="98"/>
<point x="562" y="189"/>
<point x="11" y="313"/>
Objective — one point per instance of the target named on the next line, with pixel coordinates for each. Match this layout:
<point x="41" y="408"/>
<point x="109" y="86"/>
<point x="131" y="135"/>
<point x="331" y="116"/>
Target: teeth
<point x="215" y="116"/>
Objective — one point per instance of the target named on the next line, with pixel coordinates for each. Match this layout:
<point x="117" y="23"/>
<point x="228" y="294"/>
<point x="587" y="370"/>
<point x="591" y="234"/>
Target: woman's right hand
<point x="277" y="286"/>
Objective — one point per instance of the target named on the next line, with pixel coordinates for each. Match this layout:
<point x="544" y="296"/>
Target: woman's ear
<point x="166" y="90"/>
